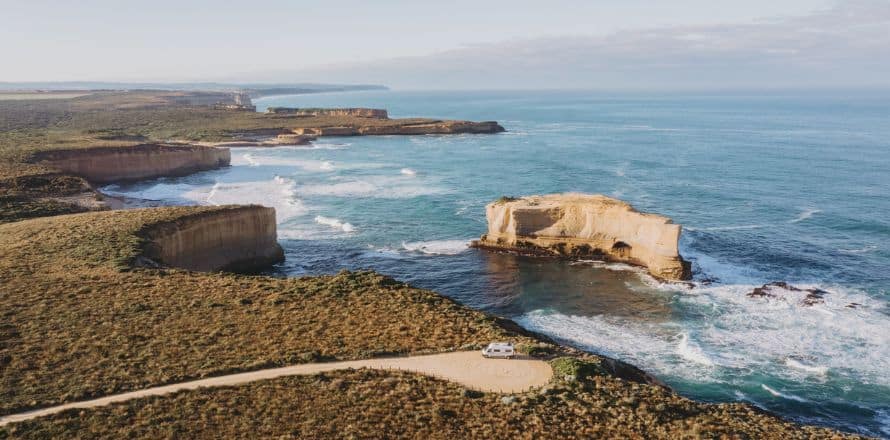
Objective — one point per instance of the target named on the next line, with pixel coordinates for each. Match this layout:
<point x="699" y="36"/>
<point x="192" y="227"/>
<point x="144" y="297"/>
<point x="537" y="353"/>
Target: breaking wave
<point x="335" y="223"/>
<point x="438" y="247"/>
<point x="805" y="215"/>
<point x="783" y="395"/>
<point x="383" y="187"/>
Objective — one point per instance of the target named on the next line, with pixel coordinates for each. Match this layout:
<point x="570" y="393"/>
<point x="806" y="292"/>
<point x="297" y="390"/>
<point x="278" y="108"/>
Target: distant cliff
<point x="412" y="128"/>
<point x="113" y="164"/>
<point x="242" y="238"/>
<point x="586" y="226"/>
<point x="375" y="113"/>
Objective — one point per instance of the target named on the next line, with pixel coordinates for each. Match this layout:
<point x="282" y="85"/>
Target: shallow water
<point x="783" y="187"/>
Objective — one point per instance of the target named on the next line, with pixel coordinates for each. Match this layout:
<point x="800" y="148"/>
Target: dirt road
<point x="467" y="368"/>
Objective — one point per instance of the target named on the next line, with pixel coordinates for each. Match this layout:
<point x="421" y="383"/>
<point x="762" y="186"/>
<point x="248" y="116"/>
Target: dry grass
<point x="377" y="404"/>
<point x="21" y="96"/>
<point x="77" y="322"/>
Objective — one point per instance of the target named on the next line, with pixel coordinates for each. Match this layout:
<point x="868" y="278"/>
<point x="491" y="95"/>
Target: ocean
<point x="779" y="186"/>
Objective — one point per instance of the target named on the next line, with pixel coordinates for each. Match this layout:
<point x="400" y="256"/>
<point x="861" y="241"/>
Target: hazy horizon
<point x="687" y="45"/>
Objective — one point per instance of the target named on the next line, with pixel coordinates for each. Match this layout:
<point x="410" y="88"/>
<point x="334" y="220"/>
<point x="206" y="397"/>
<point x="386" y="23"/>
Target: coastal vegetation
<point x="367" y="403"/>
<point x="80" y="320"/>
<point x="84" y="315"/>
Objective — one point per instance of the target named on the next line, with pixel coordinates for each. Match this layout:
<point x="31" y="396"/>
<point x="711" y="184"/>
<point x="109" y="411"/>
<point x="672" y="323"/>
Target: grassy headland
<point x="79" y="320"/>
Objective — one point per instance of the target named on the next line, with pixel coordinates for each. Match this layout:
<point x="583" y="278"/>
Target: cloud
<point x="847" y="45"/>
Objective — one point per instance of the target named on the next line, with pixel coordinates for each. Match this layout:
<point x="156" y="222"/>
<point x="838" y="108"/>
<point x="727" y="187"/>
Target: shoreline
<point x="118" y="203"/>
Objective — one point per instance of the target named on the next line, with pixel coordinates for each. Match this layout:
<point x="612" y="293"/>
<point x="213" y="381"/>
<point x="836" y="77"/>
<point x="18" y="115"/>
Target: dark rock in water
<point x="708" y="281"/>
<point x="769" y="290"/>
<point x="814" y="296"/>
<point x="853" y="305"/>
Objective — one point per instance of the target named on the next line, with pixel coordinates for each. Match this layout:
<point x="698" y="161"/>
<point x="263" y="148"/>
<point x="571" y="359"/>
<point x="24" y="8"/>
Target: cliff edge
<point x="240" y="239"/>
<point x="586" y="226"/>
<point x="145" y="161"/>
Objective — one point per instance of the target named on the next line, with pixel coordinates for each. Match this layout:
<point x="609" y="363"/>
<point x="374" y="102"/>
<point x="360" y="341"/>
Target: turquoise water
<point x="780" y="187"/>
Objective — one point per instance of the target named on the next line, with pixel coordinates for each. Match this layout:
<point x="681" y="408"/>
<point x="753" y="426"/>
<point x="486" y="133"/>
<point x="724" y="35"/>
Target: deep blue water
<point x="770" y="187"/>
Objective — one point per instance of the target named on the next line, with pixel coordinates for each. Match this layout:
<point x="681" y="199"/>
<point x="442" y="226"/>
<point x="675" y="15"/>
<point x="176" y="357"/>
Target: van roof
<point x="501" y="344"/>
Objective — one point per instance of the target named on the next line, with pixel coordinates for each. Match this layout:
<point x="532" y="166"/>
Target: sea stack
<point x="585" y="226"/>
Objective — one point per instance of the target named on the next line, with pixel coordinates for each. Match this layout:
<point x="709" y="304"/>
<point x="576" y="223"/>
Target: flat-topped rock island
<point x="585" y="226"/>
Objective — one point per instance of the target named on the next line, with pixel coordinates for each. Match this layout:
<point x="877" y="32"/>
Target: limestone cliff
<point x="376" y="113"/>
<point x="427" y="127"/>
<point x="113" y="164"/>
<point x="241" y="238"/>
<point x="586" y="226"/>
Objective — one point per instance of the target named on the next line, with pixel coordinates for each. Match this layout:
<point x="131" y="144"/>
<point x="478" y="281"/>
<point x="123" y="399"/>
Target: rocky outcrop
<point x="114" y="164"/>
<point x="781" y="289"/>
<point x="586" y="226"/>
<point x="281" y="139"/>
<point x="413" y="128"/>
<point x="241" y="239"/>
<point x="376" y="113"/>
<point x="438" y="127"/>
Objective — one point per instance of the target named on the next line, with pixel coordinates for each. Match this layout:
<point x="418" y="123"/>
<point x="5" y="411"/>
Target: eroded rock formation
<point x="242" y="238"/>
<point x="413" y="128"/>
<point x="113" y="164"/>
<point x="376" y="113"/>
<point x="586" y="226"/>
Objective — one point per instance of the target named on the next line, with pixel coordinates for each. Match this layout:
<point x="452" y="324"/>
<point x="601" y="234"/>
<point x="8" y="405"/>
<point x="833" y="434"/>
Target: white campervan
<point x="499" y="349"/>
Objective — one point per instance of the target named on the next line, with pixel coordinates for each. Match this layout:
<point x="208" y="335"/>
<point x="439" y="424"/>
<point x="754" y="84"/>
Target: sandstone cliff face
<point x="433" y="127"/>
<point x="586" y="226"/>
<point x="241" y="239"/>
<point x="113" y="164"/>
<point x="376" y="113"/>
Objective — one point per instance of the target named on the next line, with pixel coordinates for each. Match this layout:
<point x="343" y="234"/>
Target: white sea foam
<point x="815" y="369"/>
<point x="690" y="350"/>
<point x="438" y="247"/>
<point x="727" y="228"/>
<point x="861" y="250"/>
<point x="737" y="332"/>
<point x="707" y="266"/>
<point x="384" y="187"/>
<point x="621" y="171"/>
<point x="302" y="164"/>
<point x="648" y="345"/>
<point x="213" y="190"/>
<point x="278" y="193"/>
<point x="882" y="416"/>
<point x="314" y="146"/>
<point x="783" y="395"/>
<point x="408" y="172"/>
<point x="335" y="223"/>
<point x="767" y="332"/>
<point x="163" y="191"/>
<point x="249" y="159"/>
<point x="805" y="215"/>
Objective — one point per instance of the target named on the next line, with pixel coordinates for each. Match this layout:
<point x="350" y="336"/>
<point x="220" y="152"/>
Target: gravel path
<point x="467" y="368"/>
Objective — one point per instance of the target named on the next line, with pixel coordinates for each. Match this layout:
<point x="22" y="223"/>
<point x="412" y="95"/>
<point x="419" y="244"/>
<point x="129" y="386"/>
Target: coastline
<point x="126" y="203"/>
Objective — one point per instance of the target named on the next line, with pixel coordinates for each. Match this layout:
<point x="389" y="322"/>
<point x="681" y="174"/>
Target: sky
<point x="457" y="44"/>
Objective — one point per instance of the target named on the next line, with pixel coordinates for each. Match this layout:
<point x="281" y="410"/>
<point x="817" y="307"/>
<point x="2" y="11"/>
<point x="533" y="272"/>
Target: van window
<point x="497" y="350"/>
